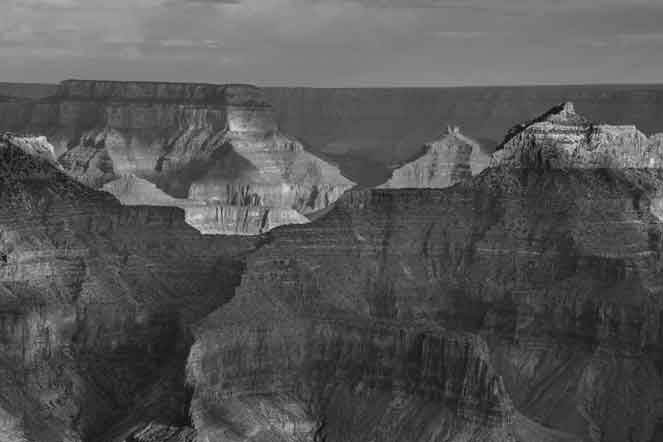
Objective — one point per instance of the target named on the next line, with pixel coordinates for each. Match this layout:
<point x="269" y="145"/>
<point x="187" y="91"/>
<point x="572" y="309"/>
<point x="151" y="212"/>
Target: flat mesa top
<point x="228" y="94"/>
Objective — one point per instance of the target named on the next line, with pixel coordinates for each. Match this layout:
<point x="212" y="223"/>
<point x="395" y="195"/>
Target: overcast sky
<point x="334" y="42"/>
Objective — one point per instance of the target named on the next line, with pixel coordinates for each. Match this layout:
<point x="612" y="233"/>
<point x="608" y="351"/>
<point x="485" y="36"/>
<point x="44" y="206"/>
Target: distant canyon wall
<point x="389" y="125"/>
<point x="200" y="143"/>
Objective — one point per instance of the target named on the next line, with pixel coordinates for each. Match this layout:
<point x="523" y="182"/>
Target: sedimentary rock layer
<point x="210" y="143"/>
<point x="561" y="138"/>
<point x="452" y="159"/>
<point x="95" y="304"/>
<point x="547" y="278"/>
<point x="377" y="127"/>
<point x="206" y="217"/>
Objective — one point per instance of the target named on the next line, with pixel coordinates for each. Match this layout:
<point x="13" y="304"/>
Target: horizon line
<point x="377" y="86"/>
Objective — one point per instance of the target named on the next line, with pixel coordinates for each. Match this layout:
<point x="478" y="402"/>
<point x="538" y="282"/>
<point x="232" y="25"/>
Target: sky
<point x="334" y="43"/>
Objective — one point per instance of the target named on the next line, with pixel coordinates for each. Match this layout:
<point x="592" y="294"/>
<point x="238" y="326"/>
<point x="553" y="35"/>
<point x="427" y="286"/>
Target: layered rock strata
<point x="524" y="304"/>
<point x="207" y="217"/>
<point x="96" y="300"/>
<point x="208" y="143"/>
<point x="442" y="163"/>
<point x="561" y="139"/>
<point x="367" y="130"/>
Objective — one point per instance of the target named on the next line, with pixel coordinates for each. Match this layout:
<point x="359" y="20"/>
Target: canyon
<point x="215" y="149"/>
<point x="96" y="302"/>
<point x="522" y="305"/>
<point x="522" y="302"/>
<point x="368" y="130"/>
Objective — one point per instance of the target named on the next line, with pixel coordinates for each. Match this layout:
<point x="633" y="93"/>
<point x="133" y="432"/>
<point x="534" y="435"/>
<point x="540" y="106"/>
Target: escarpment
<point x="96" y="300"/>
<point x="523" y="304"/>
<point x="216" y="144"/>
<point x="452" y="159"/>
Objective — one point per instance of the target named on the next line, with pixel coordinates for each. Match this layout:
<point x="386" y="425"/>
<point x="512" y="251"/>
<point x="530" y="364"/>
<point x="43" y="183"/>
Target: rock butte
<point x="524" y="304"/>
<point x="442" y="163"/>
<point x="216" y="144"/>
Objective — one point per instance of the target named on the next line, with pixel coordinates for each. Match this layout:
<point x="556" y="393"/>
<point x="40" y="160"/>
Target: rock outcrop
<point x="209" y="143"/>
<point x="524" y="304"/>
<point x="452" y="159"/>
<point x="562" y="139"/>
<point x="207" y="217"/>
<point x="34" y="146"/>
<point x="365" y="130"/>
<point x="389" y="125"/>
<point x="96" y="300"/>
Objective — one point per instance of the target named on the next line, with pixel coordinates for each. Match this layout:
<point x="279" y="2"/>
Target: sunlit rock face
<point x="216" y="144"/>
<point x="37" y="146"/>
<point x="561" y="138"/>
<point x="269" y="170"/>
<point x="96" y="300"/>
<point x="442" y="163"/>
<point x="523" y="304"/>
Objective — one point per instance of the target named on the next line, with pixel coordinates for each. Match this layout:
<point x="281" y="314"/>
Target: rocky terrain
<point x="563" y="139"/>
<point x="208" y="217"/>
<point x="217" y="145"/>
<point x="452" y="159"/>
<point x="523" y="305"/>
<point x="371" y="128"/>
<point x="96" y="300"/>
<point x="389" y="125"/>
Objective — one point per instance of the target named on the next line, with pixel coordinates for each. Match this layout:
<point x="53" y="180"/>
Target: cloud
<point x="646" y="37"/>
<point x="214" y="2"/>
<point x="329" y="42"/>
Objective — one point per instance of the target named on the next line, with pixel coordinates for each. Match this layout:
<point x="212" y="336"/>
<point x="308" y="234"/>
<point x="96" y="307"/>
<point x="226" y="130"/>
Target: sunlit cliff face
<point x="213" y="150"/>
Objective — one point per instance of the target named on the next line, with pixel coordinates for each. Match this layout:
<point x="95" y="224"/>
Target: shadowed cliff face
<point x="207" y="143"/>
<point x="524" y="304"/>
<point x="95" y="304"/>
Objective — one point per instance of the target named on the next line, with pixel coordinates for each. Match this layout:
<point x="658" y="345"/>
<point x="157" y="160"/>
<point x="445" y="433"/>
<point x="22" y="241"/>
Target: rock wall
<point x="452" y="159"/>
<point x="377" y="127"/>
<point x="96" y="301"/>
<point x="216" y="218"/>
<point x="561" y="138"/>
<point x="188" y="139"/>
<point x="272" y="171"/>
<point x="548" y="279"/>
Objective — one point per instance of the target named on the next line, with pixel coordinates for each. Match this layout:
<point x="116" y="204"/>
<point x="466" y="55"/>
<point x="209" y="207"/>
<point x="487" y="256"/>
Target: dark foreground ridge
<point x="524" y="304"/>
